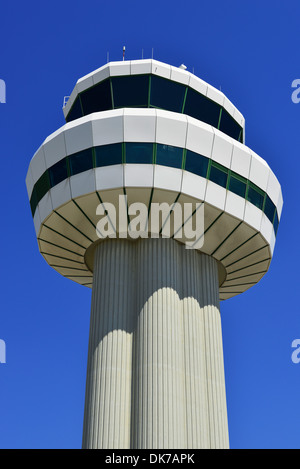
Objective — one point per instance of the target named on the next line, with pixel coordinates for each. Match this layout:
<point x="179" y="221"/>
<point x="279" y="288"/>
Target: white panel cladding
<point x="241" y="159"/>
<point x="38" y="164"/>
<point x="61" y="193"/>
<point x="222" y="148"/>
<point x="119" y="68"/>
<point x="161" y="69"/>
<point x="108" y="127"/>
<point x="139" y="125"/>
<point x="140" y="67"/>
<point x="215" y="195"/>
<point x="235" y="205"/>
<point x="228" y="106"/>
<point x="83" y="183"/>
<point x="131" y="125"/>
<point x="138" y="175"/>
<point x="85" y="82"/>
<point x="101" y="74"/>
<point x="171" y="128"/>
<point x="266" y="228"/>
<point x="55" y="148"/>
<point x="199" y="137"/>
<point x="198" y="85"/>
<point x="167" y="178"/>
<point x="45" y="206"/>
<point x="215" y="95"/>
<point x="252" y="215"/>
<point x="193" y="185"/>
<point x="273" y="188"/>
<point x="109" y="177"/>
<point x="279" y="205"/>
<point x="78" y="135"/>
<point x="259" y="171"/>
<point x="239" y="117"/>
<point x="272" y="243"/>
<point x="180" y="75"/>
<point x="37" y="221"/>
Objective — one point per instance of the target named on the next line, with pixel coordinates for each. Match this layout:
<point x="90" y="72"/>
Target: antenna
<point x="107" y="57"/>
<point x="123" y="52"/>
<point x="142" y="53"/>
<point x="152" y="53"/>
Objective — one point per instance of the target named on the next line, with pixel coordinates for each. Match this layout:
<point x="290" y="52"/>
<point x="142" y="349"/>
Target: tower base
<point x="155" y="373"/>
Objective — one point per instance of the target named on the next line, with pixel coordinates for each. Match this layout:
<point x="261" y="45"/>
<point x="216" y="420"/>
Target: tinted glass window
<point x="58" y="172"/>
<point x="75" y="111"/>
<point x="255" y="196"/>
<point x="42" y="186"/>
<point x="218" y="174"/>
<point x="202" y="108"/>
<point x="276" y="223"/>
<point x="33" y="201"/>
<point x="166" y="94"/>
<point x="81" y="161"/>
<point x="107" y="155"/>
<point x="237" y="185"/>
<point x="130" y="91"/>
<point x="196" y="164"/>
<point x="169" y="156"/>
<point x="139" y="153"/>
<point x="269" y="209"/>
<point x="229" y="126"/>
<point x="97" y="98"/>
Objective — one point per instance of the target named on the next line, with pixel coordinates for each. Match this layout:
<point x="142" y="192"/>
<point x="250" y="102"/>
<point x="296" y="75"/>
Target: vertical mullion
<point x="240" y="136"/>
<point x="183" y="158"/>
<point x="123" y="153"/>
<point x="228" y="179"/>
<point x="79" y="97"/>
<point x="184" y="99"/>
<point x="94" y="157"/>
<point x="264" y="202"/>
<point x="220" y="115"/>
<point x="149" y="90"/>
<point x="208" y="169"/>
<point x="112" y="94"/>
<point x="247" y="189"/>
<point x="68" y="166"/>
<point x="154" y="153"/>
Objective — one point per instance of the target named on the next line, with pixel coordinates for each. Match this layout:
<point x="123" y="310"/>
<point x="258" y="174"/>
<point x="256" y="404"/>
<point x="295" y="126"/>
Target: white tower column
<point x="155" y="375"/>
<point x="159" y="417"/>
<point x="108" y="385"/>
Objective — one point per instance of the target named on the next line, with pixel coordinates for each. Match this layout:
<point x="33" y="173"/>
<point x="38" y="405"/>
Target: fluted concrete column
<point x="107" y="411"/>
<point x="159" y="418"/>
<point x="206" y="409"/>
<point x="155" y="376"/>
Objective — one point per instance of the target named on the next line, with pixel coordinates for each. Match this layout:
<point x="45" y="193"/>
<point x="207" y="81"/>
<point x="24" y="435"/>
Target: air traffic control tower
<point x="146" y="132"/>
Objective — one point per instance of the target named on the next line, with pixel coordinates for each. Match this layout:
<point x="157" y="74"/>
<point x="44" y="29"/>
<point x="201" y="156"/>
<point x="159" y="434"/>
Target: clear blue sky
<point x="251" y="50"/>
